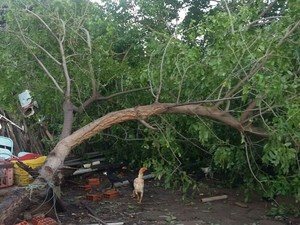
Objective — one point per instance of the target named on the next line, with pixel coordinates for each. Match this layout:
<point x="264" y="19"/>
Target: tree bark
<point x="13" y="205"/>
<point x="49" y="171"/>
<point x="68" y="109"/>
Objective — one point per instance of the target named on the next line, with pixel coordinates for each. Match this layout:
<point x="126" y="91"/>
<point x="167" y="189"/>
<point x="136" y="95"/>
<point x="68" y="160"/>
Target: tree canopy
<point x="232" y="68"/>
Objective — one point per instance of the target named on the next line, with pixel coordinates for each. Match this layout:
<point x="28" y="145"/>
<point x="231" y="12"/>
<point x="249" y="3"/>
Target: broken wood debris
<point x="214" y="198"/>
<point x="240" y="204"/>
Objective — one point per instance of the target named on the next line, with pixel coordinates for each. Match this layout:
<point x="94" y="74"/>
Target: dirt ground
<point x="162" y="206"/>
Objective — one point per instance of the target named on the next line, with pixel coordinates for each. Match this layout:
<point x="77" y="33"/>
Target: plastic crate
<point x="21" y="177"/>
<point x="6" y="174"/>
<point x="22" y="223"/>
<point x="43" y="221"/>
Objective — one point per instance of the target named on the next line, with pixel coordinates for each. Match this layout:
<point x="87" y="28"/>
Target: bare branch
<point x="65" y="69"/>
<point x="267" y="9"/>
<point x="88" y="39"/>
<point x="150" y="77"/>
<point x="185" y="138"/>
<point x="182" y="75"/>
<point x="43" y="49"/>
<point x="61" y="47"/>
<point x="247" y="113"/>
<point x="64" y="30"/>
<point x="121" y="93"/>
<point x="97" y="97"/>
<point x="258" y="65"/>
<point x="264" y="21"/>
<point x="230" y="16"/>
<point x="243" y="69"/>
<point x="270" y="6"/>
<point x="161" y="71"/>
<point x="290" y="30"/>
<point x="24" y="39"/>
<point x="42" y="21"/>
<point x="148" y="125"/>
<point x="48" y="73"/>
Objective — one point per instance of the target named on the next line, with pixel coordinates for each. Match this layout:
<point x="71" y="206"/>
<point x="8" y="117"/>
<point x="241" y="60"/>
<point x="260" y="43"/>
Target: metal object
<point x="27" y="104"/>
<point x="11" y="122"/>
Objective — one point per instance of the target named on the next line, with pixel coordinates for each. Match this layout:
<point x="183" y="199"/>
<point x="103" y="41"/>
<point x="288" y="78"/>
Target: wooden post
<point x="214" y="198"/>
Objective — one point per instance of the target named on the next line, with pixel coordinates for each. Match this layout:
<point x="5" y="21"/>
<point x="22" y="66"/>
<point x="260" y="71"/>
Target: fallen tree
<point x="17" y="201"/>
<point x="241" y="76"/>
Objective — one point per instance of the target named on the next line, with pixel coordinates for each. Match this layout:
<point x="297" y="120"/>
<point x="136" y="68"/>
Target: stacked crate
<point x="6" y="174"/>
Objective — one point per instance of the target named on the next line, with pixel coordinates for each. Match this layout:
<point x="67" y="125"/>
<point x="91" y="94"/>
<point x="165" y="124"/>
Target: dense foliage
<point x="240" y="56"/>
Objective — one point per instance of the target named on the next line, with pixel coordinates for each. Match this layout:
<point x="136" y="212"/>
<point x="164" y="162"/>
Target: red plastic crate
<point x="22" y="223"/>
<point x="43" y="221"/>
<point x="6" y="174"/>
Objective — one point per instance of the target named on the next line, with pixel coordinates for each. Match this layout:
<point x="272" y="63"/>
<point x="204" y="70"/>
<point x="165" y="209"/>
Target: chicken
<point x="207" y="171"/>
<point x="138" y="184"/>
<point x="112" y="177"/>
<point x="112" y="172"/>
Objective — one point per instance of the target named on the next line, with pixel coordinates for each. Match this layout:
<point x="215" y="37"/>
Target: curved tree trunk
<point x="49" y="171"/>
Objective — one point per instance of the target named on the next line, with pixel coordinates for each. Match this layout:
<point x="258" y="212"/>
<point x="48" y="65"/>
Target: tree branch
<point x="48" y="73"/>
<point x="290" y="30"/>
<point x="43" y="22"/>
<point x="24" y="39"/>
<point x="264" y="21"/>
<point x="44" y="50"/>
<point x="148" y="125"/>
<point x="96" y="97"/>
<point x="65" y="70"/>
<point x="230" y="16"/>
<point x="270" y="6"/>
<point x="161" y="71"/>
<point x="267" y="9"/>
<point x="247" y="113"/>
<point x="259" y="64"/>
<point x="57" y="156"/>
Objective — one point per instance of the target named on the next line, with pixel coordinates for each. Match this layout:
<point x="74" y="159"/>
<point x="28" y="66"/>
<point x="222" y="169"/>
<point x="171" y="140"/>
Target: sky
<point x="182" y="13"/>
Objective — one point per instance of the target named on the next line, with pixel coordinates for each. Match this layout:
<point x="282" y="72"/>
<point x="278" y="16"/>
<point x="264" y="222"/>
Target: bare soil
<point x="162" y="206"/>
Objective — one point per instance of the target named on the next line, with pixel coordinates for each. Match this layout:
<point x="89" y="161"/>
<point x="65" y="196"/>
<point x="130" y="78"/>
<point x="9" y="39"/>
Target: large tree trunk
<point x="68" y="119"/>
<point x="49" y="172"/>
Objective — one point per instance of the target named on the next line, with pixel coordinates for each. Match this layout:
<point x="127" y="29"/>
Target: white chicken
<point x="138" y="185"/>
